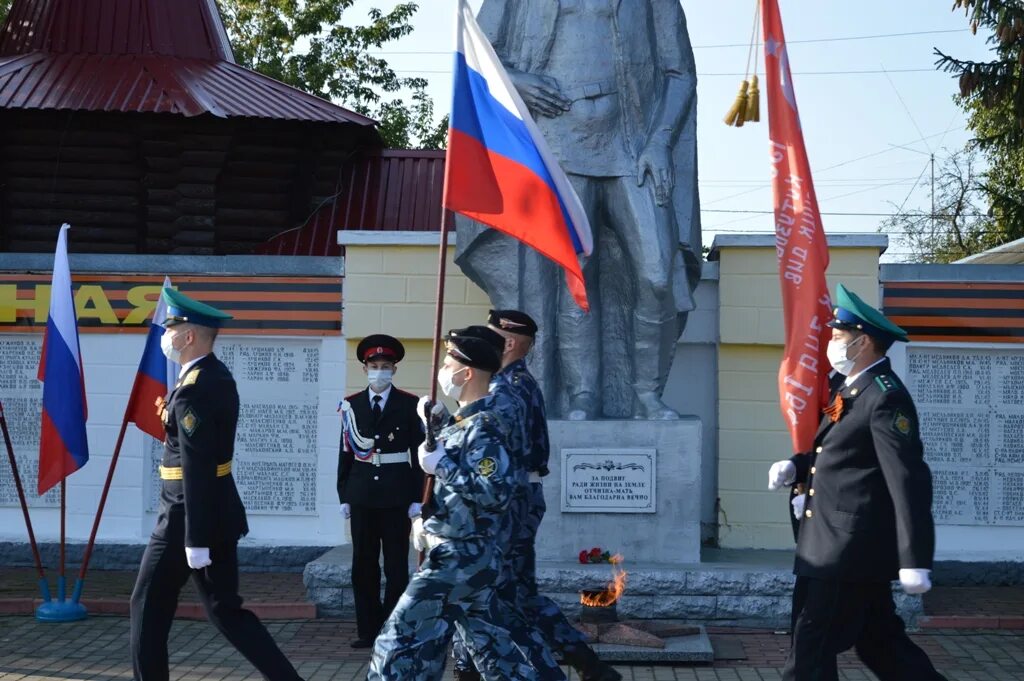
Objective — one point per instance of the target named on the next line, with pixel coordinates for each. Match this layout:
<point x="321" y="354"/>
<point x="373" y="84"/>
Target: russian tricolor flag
<point x="499" y="170"/>
<point x="153" y="377"/>
<point x="63" y="446"/>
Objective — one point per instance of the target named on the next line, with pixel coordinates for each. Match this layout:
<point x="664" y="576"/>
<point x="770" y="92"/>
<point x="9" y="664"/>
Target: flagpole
<point x="80" y="582"/>
<point x="442" y="266"/>
<point x="61" y="584"/>
<point x="44" y="588"/>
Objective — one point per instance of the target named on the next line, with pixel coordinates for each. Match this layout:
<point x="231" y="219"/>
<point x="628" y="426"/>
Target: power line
<point x="841" y="214"/>
<point x="731" y="75"/>
<point x="730" y="45"/>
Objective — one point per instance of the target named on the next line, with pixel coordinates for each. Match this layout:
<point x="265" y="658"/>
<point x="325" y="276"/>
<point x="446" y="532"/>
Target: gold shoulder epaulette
<point x="191" y="377"/>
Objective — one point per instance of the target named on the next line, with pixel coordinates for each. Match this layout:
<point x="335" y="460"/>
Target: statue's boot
<point x="649" y="367"/>
<point x="582" y="407"/>
<point x="589" y="666"/>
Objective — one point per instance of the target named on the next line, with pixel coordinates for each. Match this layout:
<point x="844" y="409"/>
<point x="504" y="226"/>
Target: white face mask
<point x="379" y="379"/>
<point x="838" y="354"/>
<point x="167" y="346"/>
<point x="446" y="379"/>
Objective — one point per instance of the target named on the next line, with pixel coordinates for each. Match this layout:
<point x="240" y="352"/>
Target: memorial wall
<point x="285" y="351"/>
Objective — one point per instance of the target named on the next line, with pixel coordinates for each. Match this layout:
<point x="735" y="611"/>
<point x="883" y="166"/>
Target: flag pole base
<point x="57" y="611"/>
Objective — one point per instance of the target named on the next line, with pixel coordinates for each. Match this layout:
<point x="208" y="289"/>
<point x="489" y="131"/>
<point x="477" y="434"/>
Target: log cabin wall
<point x="152" y="183"/>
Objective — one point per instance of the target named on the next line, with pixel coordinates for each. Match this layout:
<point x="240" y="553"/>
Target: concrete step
<point x="728" y="588"/>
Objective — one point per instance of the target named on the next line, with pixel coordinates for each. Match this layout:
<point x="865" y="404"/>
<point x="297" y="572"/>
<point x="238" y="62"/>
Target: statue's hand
<point x="656" y="161"/>
<point x="540" y="93"/>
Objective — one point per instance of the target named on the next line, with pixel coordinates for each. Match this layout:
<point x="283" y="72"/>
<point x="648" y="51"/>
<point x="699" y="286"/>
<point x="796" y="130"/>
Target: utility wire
<point x="715" y="47"/>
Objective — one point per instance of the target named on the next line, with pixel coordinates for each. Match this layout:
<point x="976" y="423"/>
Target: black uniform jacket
<point x="869" y="491"/>
<point x="200" y="420"/>
<point x="399" y="430"/>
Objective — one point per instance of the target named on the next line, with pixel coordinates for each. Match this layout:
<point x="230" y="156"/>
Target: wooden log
<point x="70" y="154"/>
<point x="188" y="237"/>
<point x="101" y="202"/>
<point x="159" y="213"/>
<point x="83" y="233"/>
<point x="253" y="169"/>
<point x="70" y="185"/>
<point x="53" y="216"/>
<point x="197" y="206"/>
<point x="162" y="197"/>
<point x="187" y="223"/>
<point x="255" y="218"/>
<point x="160" y="148"/>
<point x="53" y="169"/>
<point x="197" y="191"/>
<point x="202" y="158"/>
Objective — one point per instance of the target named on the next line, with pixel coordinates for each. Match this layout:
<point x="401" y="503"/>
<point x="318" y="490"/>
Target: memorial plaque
<point x="971" y="407"/>
<point x="608" y="480"/>
<point x="22" y="396"/>
<point x="275" y="462"/>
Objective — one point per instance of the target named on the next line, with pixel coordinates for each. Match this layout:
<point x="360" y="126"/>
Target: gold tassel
<point x="738" y="108"/>
<point x="753" y="108"/>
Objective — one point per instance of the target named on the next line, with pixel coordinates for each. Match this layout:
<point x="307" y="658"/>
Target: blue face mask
<point x="379" y="379"/>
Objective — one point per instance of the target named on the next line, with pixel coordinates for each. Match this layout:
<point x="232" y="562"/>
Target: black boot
<point x="463" y="675"/>
<point x="589" y="666"/>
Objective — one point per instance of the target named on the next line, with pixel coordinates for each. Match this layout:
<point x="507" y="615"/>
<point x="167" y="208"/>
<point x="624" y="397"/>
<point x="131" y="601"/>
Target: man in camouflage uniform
<point x="518" y="583"/>
<point x="474" y="483"/>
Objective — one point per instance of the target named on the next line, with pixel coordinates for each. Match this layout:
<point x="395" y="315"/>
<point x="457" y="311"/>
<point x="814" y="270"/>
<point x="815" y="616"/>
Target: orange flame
<point x="612" y="593"/>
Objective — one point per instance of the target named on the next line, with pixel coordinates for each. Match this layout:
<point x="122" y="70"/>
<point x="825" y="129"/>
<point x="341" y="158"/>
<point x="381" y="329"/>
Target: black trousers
<point x="162" y="574"/>
<point x="376" y="531"/>
<point x="831" y="616"/>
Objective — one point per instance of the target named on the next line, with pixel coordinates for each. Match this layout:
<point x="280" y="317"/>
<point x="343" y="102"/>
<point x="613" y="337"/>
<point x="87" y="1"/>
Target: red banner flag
<point x="800" y="245"/>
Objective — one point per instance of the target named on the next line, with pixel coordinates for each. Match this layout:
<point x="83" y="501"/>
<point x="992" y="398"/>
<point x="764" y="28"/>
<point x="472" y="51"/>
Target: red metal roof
<point x="393" y="190"/>
<point x="138" y="56"/>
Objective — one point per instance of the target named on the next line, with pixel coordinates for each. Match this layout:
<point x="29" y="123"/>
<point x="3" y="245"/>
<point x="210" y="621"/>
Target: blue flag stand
<point x="63" y="609"/>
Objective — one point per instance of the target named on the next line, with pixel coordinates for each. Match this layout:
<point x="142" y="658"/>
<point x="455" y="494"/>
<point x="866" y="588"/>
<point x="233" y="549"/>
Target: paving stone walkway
<point x="96" y="649"/>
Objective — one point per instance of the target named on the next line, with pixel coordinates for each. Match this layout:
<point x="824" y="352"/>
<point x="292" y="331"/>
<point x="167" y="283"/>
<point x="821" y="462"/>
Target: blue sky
<point x="845" y="116"/>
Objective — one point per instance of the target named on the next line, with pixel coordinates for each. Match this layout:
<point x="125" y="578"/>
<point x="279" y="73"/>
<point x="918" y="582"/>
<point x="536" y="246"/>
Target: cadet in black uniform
<point x="380" y="483"/>
<point x="201" y="515"/>
<point x="867" y="518"/>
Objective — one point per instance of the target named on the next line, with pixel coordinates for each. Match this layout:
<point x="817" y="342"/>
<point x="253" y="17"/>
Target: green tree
<point x="992" y="94"/>
<point x="5" y="6"/>
<point x="959" y="226"/>
<point x="308" y="45"/>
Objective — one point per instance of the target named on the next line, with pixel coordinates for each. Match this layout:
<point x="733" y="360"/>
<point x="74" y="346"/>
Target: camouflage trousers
<point x="518" y="581"/>
<point x="454" y="586"/>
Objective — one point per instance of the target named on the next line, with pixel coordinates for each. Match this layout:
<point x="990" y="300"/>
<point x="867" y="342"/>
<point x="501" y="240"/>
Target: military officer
<point x="474" y="480"/>
<point x="201" y="515"/>
<point x="867" y="514"/>
<point x="379" y="482"/>
<point x="519" y="574"/>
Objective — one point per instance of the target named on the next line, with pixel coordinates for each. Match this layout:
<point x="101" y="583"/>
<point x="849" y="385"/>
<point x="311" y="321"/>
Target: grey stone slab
<point x="694" y="649"/>
<point x="640" y="537"/>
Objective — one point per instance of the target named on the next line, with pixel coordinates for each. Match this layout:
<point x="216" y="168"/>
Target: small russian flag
<point x="499" y="170"/>
<point x="63" y="445"/>
<point x="155" y="375"/>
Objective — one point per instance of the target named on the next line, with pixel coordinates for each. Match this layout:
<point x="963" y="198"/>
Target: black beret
<point x="380" y="345"/>
<point x="474" y="352"/>
<point x="513" y="321"/>
<point x="484" y="334"/>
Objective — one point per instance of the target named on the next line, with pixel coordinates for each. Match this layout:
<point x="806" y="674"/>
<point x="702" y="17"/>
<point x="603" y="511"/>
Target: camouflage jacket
<point x="518" y="383"/>
<point x="475" y="480"/>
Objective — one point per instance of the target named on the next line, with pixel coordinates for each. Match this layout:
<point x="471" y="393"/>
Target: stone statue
<point x="612" y="85"/>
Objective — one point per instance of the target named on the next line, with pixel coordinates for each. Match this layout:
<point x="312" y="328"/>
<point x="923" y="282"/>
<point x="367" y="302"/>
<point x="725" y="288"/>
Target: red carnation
<point x="595" y="553"/>
<point x="583" y="556"/>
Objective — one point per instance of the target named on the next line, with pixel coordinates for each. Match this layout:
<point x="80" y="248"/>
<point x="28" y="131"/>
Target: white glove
<point x="915" y="581"/>
<point x="781" y="473"/>
<point x="414" y="509"/>
<point x="197" y="557"/>
<point x="429" y="460"/>
<point x="437" y="413"/>
<point x="419" y="535"/>
<point x="798" y="503"/>
<point x="346" y="511"/>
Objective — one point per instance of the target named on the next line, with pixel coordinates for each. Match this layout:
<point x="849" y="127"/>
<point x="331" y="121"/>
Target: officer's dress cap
<point x="380" y="346"/>
<point x="483" y="333"/>
<point x="474" y="351"/>
<point x="513" y="321"/>
<point x="184" y="310"/>
<point x="853" y="314"/>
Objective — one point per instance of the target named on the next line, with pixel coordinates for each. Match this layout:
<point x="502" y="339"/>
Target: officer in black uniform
<point x="201" y="515"/>
<point x="867" y="518"/>
<point x="380" y="482"/>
